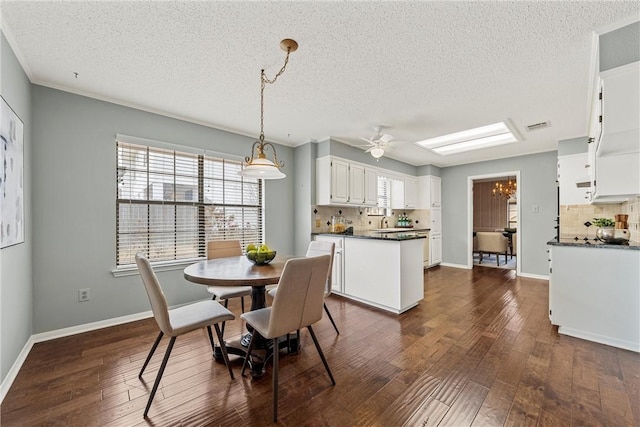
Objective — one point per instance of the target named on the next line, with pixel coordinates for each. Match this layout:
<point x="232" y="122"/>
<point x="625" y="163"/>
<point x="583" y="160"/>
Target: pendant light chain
<point x="263" y="82"/>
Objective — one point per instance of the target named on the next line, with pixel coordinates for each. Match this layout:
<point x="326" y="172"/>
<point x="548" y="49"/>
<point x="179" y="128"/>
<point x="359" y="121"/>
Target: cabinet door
<point x="435" y="187"/>
<point x="573" y="169"/>
<point x="356" y="184"/>
<point x="397" y="192"/>
<point x="339" y="181"/>
<point x="337" y="272"/>
<point x="370" y="187"/>
<point x="436" y="220"/>
<point x="410" y="193"/>
<point x="435" y="248"/>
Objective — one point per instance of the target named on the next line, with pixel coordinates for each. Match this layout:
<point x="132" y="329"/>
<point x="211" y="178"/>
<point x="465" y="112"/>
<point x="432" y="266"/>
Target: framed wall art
<point x="11" y="177"/>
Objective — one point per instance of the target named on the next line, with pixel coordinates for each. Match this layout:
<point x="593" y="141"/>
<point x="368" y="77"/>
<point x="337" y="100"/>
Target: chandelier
<point x="258" y="165"/>
<point x="505" y="189"/>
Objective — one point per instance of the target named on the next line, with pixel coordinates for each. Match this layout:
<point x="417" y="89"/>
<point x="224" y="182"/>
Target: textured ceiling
<point x="422" y="68"/>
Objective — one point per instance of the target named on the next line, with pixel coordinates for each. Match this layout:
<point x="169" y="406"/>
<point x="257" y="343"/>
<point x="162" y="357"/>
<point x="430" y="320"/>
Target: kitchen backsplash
<point x="358" y="219"/>
<point x="573" y="217"/>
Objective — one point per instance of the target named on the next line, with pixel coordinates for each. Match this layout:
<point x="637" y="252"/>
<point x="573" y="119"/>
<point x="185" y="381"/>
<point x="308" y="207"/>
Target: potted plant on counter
<point x="605" y="228"/>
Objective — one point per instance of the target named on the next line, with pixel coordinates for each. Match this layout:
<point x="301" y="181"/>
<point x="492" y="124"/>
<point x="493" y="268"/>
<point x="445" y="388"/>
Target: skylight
<point x="471" y="139"/>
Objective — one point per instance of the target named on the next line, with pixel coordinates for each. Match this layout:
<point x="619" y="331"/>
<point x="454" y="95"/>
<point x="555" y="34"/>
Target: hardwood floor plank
<point x="478" y="350"/>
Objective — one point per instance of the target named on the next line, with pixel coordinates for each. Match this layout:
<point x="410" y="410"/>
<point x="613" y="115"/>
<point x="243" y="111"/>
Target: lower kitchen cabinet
<point x="337" y="274"/>
<point x="594" y="294"/>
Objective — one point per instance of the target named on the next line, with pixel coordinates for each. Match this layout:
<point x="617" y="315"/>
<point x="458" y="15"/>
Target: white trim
<point x="602" y="339"/>
<point x="448" y="264"/>
<point x="534" y="276"/>
<point x="13" y="372"/>
<point x="470" y="180"/>
<point x="88" y="327"/>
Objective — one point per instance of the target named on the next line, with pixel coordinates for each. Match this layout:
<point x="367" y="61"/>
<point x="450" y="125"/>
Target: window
<point x="170" y="203"/>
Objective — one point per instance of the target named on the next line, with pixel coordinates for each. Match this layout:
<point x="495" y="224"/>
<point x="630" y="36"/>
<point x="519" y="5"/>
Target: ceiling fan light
<point x="377" y="152"/>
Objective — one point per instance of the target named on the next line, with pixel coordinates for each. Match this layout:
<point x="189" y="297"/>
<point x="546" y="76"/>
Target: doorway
<point x="493" y="202"/>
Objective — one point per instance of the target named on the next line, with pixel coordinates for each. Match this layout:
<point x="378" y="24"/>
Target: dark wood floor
<point x="479" y="350"/>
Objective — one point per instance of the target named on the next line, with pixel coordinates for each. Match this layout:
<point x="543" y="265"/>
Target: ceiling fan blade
<point x="386" y="138"/>
<point x="369" y="149"/>
<point x="367" y="140"/>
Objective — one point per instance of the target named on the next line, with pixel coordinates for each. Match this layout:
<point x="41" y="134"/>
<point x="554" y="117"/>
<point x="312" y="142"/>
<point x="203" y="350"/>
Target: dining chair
<point x="223" y="249"/>
<point x="318" y="248"/>
<point x="298" y="305"/>
<point x="178" y="321"/>
<point x="492" y="242"/>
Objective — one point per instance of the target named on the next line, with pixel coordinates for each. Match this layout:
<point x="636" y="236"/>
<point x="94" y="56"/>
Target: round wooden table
<point x="239" y="271"/>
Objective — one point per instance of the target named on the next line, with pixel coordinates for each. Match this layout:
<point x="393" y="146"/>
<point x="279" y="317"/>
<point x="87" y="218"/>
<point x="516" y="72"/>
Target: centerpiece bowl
<point x="261" y="258"/>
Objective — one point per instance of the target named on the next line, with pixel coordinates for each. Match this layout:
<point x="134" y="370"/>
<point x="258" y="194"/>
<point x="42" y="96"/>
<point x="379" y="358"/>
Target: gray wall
<point x="620" y="47"/>
<point x="338" y="149"/>
<point x="74" y="192"/>
<point x="573" y="146"/>
<point x="537" y="187"/>
<point x="428" y="170"/>
<point x="16" y="282"/>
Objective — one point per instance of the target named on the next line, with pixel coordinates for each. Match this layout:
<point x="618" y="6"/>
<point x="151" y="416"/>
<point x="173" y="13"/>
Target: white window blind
<point x="170" y="203"/>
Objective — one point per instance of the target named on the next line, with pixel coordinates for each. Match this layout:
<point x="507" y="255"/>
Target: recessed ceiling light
<point x="471" y="139"/>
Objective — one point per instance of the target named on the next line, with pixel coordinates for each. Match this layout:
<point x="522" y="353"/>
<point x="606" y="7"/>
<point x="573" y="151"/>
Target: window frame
<point x="201" y="229"/>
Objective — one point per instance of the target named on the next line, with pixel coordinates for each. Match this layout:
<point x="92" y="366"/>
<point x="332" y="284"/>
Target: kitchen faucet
<point x="382" y="224"/>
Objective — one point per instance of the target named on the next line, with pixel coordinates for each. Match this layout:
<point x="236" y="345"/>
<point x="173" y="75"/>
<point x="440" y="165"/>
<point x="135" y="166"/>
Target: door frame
<point x="470" y="180"/>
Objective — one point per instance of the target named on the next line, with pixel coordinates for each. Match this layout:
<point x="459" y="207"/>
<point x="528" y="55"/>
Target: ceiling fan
<point x="378" y="143"/>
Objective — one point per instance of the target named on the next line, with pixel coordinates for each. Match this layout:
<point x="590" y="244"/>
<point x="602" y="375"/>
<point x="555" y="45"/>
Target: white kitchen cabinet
<point x="435" y="248"/>
<point x="383" y="273"/>
<point x="594" y="294"/>
<point x="616" y="164"/>
<point x="410" y="192"/>
<point x="436" y="221"/>
<point x="574" y="169"/>
<point x="340" y="182"/>
<point x="397" y="192"/>
<point x="370" y="187"/>
<point x="429" y="191"/>
<point x="337" y="272"/>
<point x="356" y="185"/>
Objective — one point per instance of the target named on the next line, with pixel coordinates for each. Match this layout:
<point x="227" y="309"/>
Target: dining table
<point x="239" y="271"/>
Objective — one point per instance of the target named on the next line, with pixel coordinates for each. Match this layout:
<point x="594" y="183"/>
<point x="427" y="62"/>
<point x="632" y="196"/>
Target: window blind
<point x="169" y="203"/>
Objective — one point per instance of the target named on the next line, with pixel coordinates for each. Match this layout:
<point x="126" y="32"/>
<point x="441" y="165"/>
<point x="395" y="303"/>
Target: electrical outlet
<point x="84" y="295"/>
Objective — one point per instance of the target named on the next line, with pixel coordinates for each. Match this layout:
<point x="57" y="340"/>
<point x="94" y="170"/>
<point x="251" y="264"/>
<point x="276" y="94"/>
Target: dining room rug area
<point x="489" y="260"/>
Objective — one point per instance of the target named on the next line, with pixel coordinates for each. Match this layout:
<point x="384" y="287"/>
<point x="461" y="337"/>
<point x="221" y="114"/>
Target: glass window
<point x="170" y="203"/>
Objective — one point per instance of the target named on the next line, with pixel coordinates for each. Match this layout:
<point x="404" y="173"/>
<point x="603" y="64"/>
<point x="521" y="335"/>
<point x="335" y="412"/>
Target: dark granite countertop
<point x="569" y="241"/>
<point x="395" y="236"/>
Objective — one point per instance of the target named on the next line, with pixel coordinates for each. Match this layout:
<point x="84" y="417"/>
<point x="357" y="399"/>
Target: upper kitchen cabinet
<point x="370" y="187"/>
<point x="404" y="192"/>
<point x="573" y="179"/>
<point x="429" y="192"/>
<point x="615" y="161"/>
<point x="340" y="182"/>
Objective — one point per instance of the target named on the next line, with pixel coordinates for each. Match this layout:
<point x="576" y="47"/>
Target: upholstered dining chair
<point x="492" y="242"/>
<point x="298" y="305"/>
<point x="178" y="321"/>
<point x="222" y="249"/>
<point x="317" y="248"/>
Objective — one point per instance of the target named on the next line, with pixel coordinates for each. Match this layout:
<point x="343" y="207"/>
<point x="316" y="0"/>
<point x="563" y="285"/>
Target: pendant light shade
<point x="258" y="165"/>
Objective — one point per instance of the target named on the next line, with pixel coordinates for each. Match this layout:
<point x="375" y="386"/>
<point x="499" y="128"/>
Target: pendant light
<point x="258" y="165"/>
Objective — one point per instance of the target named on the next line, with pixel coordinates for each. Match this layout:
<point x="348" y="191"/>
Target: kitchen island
<point x="594" y="291"/>
<point x="383" y="270"/>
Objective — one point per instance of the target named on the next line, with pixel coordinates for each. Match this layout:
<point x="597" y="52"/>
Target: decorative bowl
<point x="261" y="258"/>
<point x="612" y="236"/>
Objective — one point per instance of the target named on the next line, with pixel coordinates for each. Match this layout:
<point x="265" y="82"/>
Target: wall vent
<point x="537" y="126"/>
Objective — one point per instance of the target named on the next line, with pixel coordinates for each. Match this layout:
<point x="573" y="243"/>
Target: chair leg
<point x="481" y="256"/>
<point x="242" y="303"/>
<point x="159" y="376"/>
<point x="249" y="350"/>
<point x="498" y="259"/>
<point x="223" y="348"/>
<point x="213" y="346"/>
<point x="153" y="350"/>
<point x="276" y="363"/>
<point x="326" y="309"/>
<point x="324" y="361"/>
<point x="226" y="305"/>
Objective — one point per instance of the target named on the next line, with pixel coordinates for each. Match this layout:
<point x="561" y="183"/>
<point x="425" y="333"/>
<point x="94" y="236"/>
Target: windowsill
<point x="157" y="267"/>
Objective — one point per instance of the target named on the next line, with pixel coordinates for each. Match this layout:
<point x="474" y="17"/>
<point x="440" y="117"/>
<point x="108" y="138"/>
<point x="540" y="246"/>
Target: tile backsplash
<point x="573" y="217"/>
<point x="358" y="219"/>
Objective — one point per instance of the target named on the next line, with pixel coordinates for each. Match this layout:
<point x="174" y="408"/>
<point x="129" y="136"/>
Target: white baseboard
<point x="448" y="264"/>
<point x="13" y="372"/>
<point x="65" y="332"/>
<point x="534" y="276"/>
<point x="589" y="336"/>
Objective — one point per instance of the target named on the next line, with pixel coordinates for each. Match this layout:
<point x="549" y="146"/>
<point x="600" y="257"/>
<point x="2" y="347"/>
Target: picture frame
<point x="11" y="177"/>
